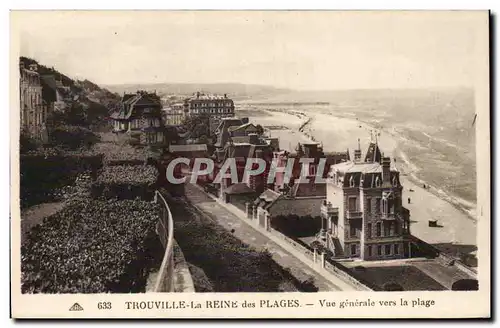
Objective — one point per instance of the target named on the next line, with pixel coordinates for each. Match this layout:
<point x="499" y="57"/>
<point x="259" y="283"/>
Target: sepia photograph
<point x="200" y="153"/>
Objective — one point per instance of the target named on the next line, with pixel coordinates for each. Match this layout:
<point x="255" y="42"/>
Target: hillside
<point x="96" y="101"/>
<point x="236" y="91"/>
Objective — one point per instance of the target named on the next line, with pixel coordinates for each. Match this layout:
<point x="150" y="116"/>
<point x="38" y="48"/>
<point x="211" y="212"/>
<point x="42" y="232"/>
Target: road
<point x="254" y="238"/>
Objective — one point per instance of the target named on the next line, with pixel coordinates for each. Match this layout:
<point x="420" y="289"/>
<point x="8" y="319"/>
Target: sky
<point x="297" y="50"/>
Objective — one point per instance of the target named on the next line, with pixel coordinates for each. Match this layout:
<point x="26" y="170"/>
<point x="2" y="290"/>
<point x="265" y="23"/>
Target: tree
<point x="260" y="129"/>
<point x="198" y="125"/>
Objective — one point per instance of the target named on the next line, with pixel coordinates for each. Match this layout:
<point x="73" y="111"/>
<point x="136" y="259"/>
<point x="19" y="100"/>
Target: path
<point x="248" y="234"/>
<point x="34" y="215"/>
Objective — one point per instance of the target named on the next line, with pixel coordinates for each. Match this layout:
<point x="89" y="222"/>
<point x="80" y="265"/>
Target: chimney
<point x="245" y="120"/>
<point x="386" y="170"/>
<point x="253" y="138"/>
<point x="198" y="95"/>
<point x="225" y="95"/>
<point x="357" y="153"/>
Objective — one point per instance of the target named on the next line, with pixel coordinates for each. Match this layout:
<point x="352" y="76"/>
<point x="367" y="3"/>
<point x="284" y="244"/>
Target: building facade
<point x="174" y="114"/>
<point x="318" y="165"/>
<point x="213" y="106"/>
<point x="140" y="115"/>
<point x="363" y="215"/>
<point x="33" y="112"/>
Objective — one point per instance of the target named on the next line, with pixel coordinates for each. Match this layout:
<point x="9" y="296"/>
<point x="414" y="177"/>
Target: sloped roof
<point x="267" y="198"/>
<point x="242" y="127"/>
<point x="310" y="189"/>
<point x="49" y="81"/>
<point x="131" y="100"/>
<point x="373" y="154"/>
<point x="351" y="167"/>
<point x="296" y="206"/>
<point x="222" y="130"/>
<point x="238" y="189"/>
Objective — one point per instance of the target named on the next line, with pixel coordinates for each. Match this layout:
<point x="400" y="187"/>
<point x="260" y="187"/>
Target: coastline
<point x="339" y="132"/>
<point x="409" y="170"/>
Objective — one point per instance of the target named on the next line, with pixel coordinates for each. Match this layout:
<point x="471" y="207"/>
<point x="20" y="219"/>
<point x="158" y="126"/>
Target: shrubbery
<point x="72" y="137"/>
<point x="294" y="226"/>
<point x="44" y="173"/>
<point x="92" y="247"/>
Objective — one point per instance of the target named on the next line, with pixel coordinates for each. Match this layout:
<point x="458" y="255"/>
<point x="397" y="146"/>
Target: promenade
<point x="284" y="255"/>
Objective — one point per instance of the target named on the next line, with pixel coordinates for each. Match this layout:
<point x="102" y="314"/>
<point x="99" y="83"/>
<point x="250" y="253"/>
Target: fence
<point x="332" y="267"/>
<point x="165" y="230"/>
<point x="446" y="258"/>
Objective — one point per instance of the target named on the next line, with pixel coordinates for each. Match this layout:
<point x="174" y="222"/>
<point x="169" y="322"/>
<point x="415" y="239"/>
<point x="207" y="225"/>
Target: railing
<point x="165" y="230"/>
<point x="354" y="215"/>
<point x="330" y="266"/>
<point x="390" y="216"/>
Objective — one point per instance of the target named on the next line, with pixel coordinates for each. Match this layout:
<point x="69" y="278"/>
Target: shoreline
<point x="408" y="171"/>
<point x="337" y="132"/>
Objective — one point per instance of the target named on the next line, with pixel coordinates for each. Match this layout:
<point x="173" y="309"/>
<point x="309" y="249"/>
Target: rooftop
<point x="361" y="167"/>
<point x="187" y="148"/>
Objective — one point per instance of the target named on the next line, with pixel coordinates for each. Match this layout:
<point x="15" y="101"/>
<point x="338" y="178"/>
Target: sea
<point x="435" y="130"/>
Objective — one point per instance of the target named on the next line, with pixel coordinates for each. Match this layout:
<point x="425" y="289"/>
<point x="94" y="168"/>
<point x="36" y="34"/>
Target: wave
<point x="411" y="171"/>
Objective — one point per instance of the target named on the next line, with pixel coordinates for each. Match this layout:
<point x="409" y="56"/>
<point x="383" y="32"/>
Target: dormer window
<point x="378" y="182"/>
<point x="351" y="181"/>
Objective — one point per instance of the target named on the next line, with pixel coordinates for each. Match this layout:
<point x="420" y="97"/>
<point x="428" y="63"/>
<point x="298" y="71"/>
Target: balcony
<point x="354" y="215"/>
<point x="390" y="216"/>
<point x="328" y="209"/>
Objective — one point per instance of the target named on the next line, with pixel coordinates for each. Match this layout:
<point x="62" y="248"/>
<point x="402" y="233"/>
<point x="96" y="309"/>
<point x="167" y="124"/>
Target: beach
<point x="456" y="229"/>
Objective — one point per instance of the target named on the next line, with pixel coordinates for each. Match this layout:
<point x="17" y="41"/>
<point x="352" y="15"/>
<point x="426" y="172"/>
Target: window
<point x="151" y="138"/>
<point x="352" y="204"/>
<point x="379" y="250"/>
<point x="379" y="229"/>
<point x="396" y="249"/>
<point x="392" y="231"/>
<point x="353" y="249"/>
<point x="313" y="169"/>
<point x="352" y="230"/>
<point x="377" y="205"/>
<point x="351" y="181"/>
<point x="369" y="230"/>
<point x="369" y="251"/>
<point x="387" y="230"/>
<point x="378" y="182"/>
<point x="387" y="249"/>
<point x="384" y="206"/>
<point x="369" y="204"/>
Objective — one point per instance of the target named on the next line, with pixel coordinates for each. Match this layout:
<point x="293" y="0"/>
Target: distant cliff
<point x="236" y="91"/>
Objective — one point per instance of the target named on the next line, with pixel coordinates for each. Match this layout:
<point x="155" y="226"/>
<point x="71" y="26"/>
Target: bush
<point x="26" y="143"/>
<point x="42" y="174"/>
<point x="72" y="137"/>
<point x="92" y="247"/>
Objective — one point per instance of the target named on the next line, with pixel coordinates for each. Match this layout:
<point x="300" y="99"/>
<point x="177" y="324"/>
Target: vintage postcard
<point x="250" y="164"/>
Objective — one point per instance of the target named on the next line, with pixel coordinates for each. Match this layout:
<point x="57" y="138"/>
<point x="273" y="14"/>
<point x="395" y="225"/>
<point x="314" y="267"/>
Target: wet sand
<point x="456" y="228"/>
